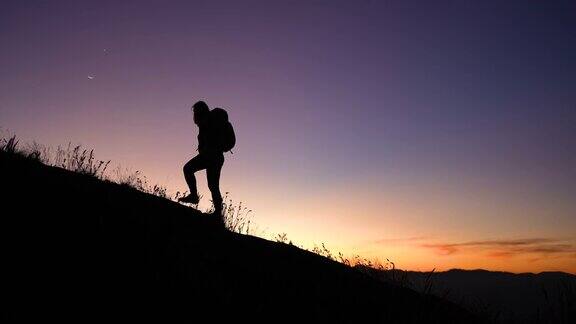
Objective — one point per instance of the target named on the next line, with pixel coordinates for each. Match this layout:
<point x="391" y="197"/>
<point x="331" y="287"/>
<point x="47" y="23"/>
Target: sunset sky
<point x="437" y="134"/>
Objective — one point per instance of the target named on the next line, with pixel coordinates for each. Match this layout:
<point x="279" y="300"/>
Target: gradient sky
<point x="438" y="134"/>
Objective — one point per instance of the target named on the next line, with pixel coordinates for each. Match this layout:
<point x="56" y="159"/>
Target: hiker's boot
<point x="220" y="220"/>
<point x="217" y="207"/>
<point x="217" y="212"/>
<point x="191" y="199"/>
<point x="218" y="215"/>
<point x="217" y="218"/>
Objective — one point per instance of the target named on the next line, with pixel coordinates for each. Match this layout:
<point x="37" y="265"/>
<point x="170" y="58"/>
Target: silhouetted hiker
<point x="215" y="137"/>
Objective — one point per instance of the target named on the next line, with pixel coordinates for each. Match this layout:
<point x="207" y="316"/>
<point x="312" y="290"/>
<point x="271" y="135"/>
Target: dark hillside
<point x="75" y="248"/>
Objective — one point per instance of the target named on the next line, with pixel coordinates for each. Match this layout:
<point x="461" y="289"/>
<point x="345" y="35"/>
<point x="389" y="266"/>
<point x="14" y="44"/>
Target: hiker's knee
<point x="189" y="167"/>
<point x="186" y="168"/>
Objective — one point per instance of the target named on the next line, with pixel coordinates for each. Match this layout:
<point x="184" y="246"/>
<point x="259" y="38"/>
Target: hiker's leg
<point x="213" y="176"/>
<point x="197" y="163"/>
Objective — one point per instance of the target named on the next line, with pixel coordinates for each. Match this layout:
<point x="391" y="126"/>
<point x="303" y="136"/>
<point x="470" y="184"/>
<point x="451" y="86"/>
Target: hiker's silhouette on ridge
<point x="215" y="136"/>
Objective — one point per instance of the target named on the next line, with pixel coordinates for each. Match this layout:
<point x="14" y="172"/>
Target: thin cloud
<point x="518" y="242"/>
<point x="501" y="254"/>
<point x="442" y="249"/>
<point x="507" y="248"/>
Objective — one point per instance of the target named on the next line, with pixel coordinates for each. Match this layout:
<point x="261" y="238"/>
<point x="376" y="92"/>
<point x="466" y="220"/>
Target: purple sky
<point x="357" y="121"/>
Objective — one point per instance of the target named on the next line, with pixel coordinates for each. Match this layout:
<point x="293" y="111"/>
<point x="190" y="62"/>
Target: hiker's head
<point x="201" y="111"/>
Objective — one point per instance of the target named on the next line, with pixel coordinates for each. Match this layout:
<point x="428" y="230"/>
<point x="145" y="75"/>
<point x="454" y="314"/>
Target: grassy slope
<point x="75" y="248"/>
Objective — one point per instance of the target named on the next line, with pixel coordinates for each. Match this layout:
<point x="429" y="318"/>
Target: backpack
<point x="223" y="129"/>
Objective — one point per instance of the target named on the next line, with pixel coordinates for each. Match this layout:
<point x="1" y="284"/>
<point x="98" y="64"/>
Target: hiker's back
<point x="222" y="130"/>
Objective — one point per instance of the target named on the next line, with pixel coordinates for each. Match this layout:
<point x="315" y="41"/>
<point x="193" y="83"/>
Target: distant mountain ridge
<point x="562" y="273"/>
<point x="521" y="297"/>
